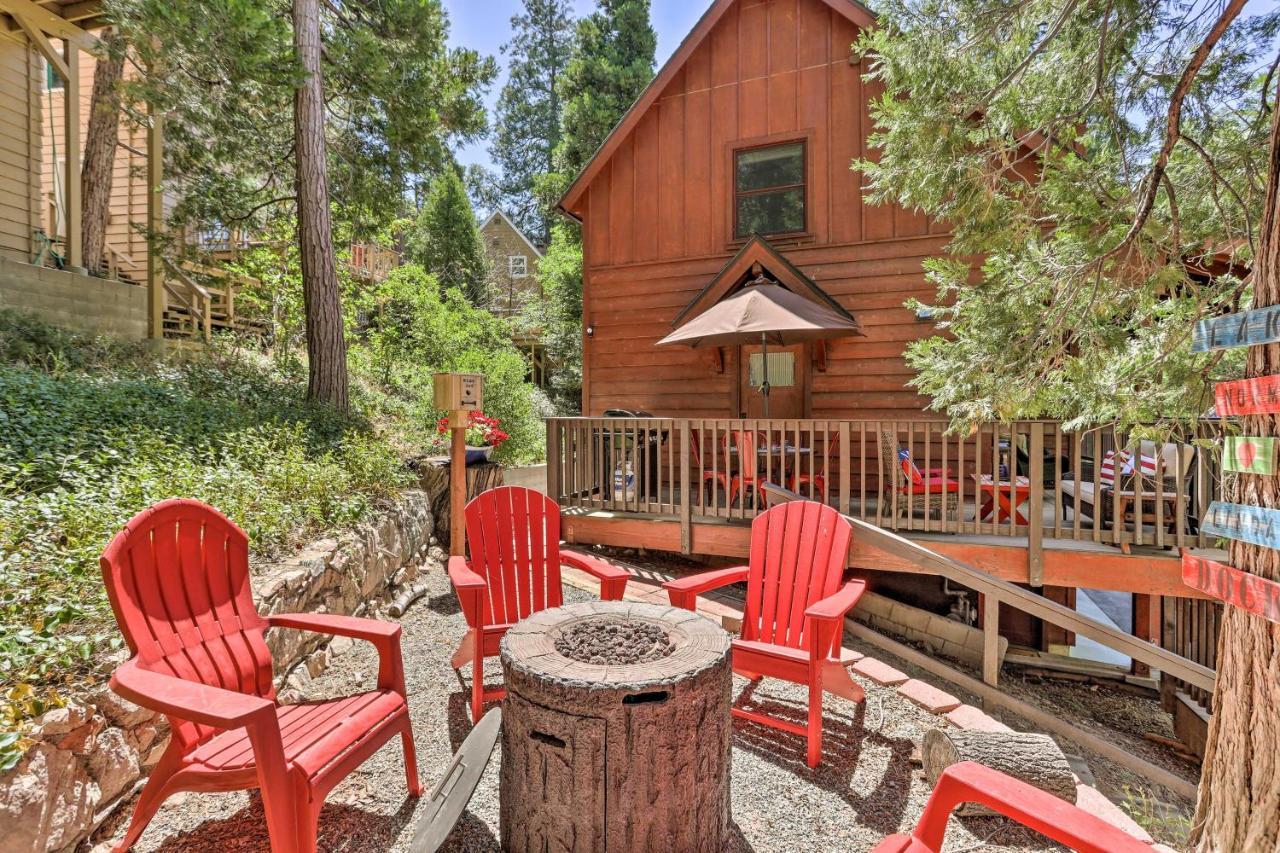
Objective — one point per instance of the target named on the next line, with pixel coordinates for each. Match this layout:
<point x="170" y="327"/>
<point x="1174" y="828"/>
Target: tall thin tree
<point x="100" y="143"/>
<point x="326" y="346"/>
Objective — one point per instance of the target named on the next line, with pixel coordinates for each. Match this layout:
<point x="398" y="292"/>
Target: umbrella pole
<point x="764" y="357"/>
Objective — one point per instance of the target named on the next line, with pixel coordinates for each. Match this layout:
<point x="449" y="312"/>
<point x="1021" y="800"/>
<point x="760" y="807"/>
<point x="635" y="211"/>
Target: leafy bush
<point x="91" y="432"/>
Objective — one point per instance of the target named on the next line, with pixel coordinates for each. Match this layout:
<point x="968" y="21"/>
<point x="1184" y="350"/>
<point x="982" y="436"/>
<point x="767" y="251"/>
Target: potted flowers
<point x="484" y="435"/>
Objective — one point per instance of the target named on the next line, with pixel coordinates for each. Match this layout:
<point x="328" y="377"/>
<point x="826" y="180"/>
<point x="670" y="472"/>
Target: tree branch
<point x="1034" y="52"/>
<point x="258" y="207"/>
<point x="1173" y="127"/>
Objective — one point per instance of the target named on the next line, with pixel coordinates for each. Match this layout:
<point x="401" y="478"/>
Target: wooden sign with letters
<point x="1260" y="326"/>
<point x="1246" y="454"/>
<point x="1241" y="589"/>
<point x="1260" y="396"/>
<point x="1251" y="524"/>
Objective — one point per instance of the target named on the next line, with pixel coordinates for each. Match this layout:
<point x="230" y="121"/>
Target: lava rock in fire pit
<point x="614" y="641"/>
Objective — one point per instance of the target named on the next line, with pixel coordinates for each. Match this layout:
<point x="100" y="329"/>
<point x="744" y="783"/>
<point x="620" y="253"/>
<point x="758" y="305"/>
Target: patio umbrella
<point x="766" y="313"/>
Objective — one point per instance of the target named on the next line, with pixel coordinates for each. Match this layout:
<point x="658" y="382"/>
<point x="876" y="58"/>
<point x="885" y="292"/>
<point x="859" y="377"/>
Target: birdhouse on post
<point x="459" y="394"/>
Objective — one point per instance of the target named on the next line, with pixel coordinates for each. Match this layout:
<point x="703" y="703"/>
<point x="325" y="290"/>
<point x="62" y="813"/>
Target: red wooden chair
<point x="178" y="580"/>
<point x="709" y="476"/>
<point x="514" y="571"/>
<point x="968" y="782"/>
<point x="794" y="617"/>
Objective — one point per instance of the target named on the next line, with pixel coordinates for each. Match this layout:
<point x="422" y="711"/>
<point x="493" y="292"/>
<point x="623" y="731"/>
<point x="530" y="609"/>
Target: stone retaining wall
<point x="90" y="755"/>
<point x="98" y="306"/>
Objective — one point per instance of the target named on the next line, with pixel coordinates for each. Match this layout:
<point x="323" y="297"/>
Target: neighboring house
<point x="513" y="278"/>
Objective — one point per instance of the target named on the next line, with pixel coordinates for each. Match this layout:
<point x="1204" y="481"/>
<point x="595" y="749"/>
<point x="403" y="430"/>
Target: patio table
<point x="1003" y="498"/>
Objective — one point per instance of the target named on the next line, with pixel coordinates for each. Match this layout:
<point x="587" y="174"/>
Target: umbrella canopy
<point x="763" y="313"/>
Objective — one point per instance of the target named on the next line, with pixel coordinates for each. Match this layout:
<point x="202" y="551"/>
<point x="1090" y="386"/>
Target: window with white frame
<point x="517" y="266"/>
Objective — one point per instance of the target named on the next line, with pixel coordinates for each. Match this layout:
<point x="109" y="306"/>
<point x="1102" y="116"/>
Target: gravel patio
<point x="867" y="787"/>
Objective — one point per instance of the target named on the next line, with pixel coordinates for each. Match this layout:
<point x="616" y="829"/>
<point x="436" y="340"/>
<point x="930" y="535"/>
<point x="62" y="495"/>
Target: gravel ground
<point x="867" y="787"/>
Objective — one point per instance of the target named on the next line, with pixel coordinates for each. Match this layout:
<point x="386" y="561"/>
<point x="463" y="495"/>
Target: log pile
<point x="1033" y="758"/>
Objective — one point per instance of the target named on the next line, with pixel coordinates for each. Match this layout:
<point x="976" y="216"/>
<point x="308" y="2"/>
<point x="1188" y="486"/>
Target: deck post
<point x="686" y="499"/>
<point x="1035" y="533"/>
<point x="155" y="224"/>
<point x="553" y="459"/>
<point x="990" y="640"/>
<point x="71" y="204"/>
<point x="845" y="460"/>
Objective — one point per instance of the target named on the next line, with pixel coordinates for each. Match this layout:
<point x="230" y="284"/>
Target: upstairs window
<point x="52" y="79"/>
<point x="769" y="190"/>
<point x="517" y="266"/>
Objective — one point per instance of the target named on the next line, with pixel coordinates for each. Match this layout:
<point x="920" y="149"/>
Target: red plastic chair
<point x="968" y="782"/>
<point x="178" y="580"/>
<point x="794" y="617"/>
<point x="707" y="476"/>
<point x="818" y="478"/>
<point x="514" y="571"/>
<point x="747" y="442"/>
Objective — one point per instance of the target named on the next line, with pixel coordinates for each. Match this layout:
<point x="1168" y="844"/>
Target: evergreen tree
<point x="528" y="112"/>
<point x="1116" y="166"/>
<point x="445" y="239"/>
<point x="612" y="62"/>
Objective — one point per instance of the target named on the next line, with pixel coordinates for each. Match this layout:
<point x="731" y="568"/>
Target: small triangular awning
<point x="757" y="251"/>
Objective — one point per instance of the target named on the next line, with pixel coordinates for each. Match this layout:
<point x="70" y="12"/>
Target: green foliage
<point x="224" y="72"/>
<point x="91" y="432"/>
<point x="446" y="241"/>
<point x="1034" y="129"/>
<point x="559" y="314"/>
<point x="527" y="118"/>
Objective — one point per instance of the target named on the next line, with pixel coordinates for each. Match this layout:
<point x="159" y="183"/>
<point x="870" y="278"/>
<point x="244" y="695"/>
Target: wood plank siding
<point x="128" y="185"/>
<point x="658" y="218"/>
<point x="20" y="89"/>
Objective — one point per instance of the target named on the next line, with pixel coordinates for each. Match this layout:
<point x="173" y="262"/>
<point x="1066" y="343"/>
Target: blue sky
<point x="485" y="25"/>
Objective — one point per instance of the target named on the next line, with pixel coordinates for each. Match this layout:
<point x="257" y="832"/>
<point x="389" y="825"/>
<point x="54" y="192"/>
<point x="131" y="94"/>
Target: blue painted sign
<point x="1260" y="326"/>
<point x="1251" y="524"/>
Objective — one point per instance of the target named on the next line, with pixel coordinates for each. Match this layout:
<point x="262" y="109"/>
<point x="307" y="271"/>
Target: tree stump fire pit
<point x="615" y="730"/>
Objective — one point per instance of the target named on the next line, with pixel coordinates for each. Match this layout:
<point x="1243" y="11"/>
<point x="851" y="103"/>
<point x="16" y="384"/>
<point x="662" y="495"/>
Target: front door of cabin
<point x="788" y="373"/>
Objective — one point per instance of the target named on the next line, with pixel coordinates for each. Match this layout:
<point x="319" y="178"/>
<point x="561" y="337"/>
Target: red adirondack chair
<point x="514" y="571"/>
<point x="794" y="617"/>
<point x="178" y="580"/>
<point x="969" y="782"/>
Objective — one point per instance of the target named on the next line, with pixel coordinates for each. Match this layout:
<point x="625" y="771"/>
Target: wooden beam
<point x="49" y="22"/>
<point x="73" y="207"/>
<point x="76" y="12"/>
<point x="42" y="44"/>
<point x="993" y="696"/>
<point x="155" y="225"/>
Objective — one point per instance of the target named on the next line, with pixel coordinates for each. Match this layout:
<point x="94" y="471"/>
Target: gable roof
<point x="851" y="9"/>
<point x="758" y="251"/>
<point x="499" y="214"/>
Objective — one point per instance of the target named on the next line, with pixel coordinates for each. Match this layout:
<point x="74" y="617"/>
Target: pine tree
<point x="528" y="111"/>
<point x="445" y="239"/>
<point x="612" y="63"/>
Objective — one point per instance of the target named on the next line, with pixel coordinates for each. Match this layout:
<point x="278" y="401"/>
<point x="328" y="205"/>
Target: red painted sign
<point x="1241" y="589"/>
<point x="1260" y="396"/>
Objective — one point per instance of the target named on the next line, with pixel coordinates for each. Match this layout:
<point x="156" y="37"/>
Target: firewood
<point x="1034" y="758"/>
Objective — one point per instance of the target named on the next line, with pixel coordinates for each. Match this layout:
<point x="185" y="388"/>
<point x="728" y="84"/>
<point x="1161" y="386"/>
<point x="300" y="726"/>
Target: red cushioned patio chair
<point x="794" y="617"/>
<point x="514" y="571"/>
<point x="969" y="782"/>
<point x="178" y="580"/>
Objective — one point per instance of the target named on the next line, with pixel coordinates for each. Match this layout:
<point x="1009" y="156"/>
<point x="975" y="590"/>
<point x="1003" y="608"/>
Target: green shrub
<point x="92" y="432"/>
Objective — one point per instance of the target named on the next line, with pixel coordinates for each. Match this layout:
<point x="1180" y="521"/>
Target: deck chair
<point x="969" y="782"/>
<point x="1080" y="493"/>
<point x="902" y="481"/>
<point x="715" y="476"/>
<point x="178" y="580"/>
<point x="794" y="617"/>
<point x="817" y="481"/>
<point x="514" y="571"/>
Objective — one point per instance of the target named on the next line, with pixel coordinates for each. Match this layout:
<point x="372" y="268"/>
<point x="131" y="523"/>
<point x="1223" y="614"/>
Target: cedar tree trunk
<point x="1239" y="804"/>
<point x="100" y="152"/>
<point x="326" y="347"/>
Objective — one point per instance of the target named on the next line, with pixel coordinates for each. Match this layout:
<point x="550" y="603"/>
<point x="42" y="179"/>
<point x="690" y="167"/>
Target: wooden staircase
<point x="201" y="301"/>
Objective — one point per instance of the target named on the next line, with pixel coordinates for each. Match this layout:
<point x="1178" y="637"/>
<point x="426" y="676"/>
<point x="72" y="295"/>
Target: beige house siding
<point x="20" y="89"/>
<point x="128" y="184"/>
<point x="502" y="242"/>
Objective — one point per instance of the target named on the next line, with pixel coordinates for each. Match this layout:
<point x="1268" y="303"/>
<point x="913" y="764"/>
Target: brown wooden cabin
<point x="737" y="160"/>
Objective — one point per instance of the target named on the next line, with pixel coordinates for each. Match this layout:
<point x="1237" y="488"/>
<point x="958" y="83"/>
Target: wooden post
<point x="1035" y="532"/>
<point x="71" y="134"/>
<point x="990" y="640"/>
<point x="686" y="494"/>
<point x="155" y="224"/>
<point x="458" y="422"/>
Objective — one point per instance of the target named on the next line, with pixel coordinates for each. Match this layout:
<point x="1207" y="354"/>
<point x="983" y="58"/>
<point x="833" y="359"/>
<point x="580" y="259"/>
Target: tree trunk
<point x="100" y="153"/>
<point x="1239" y="804"/>
<point x="1034" y="758"/>
<point x="326" y="347"/>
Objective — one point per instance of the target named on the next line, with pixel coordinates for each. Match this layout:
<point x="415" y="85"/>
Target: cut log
<point x="1034" y="758"/>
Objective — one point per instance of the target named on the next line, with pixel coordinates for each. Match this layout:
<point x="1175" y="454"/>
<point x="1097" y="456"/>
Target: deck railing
<point x="1030" y="479"/>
